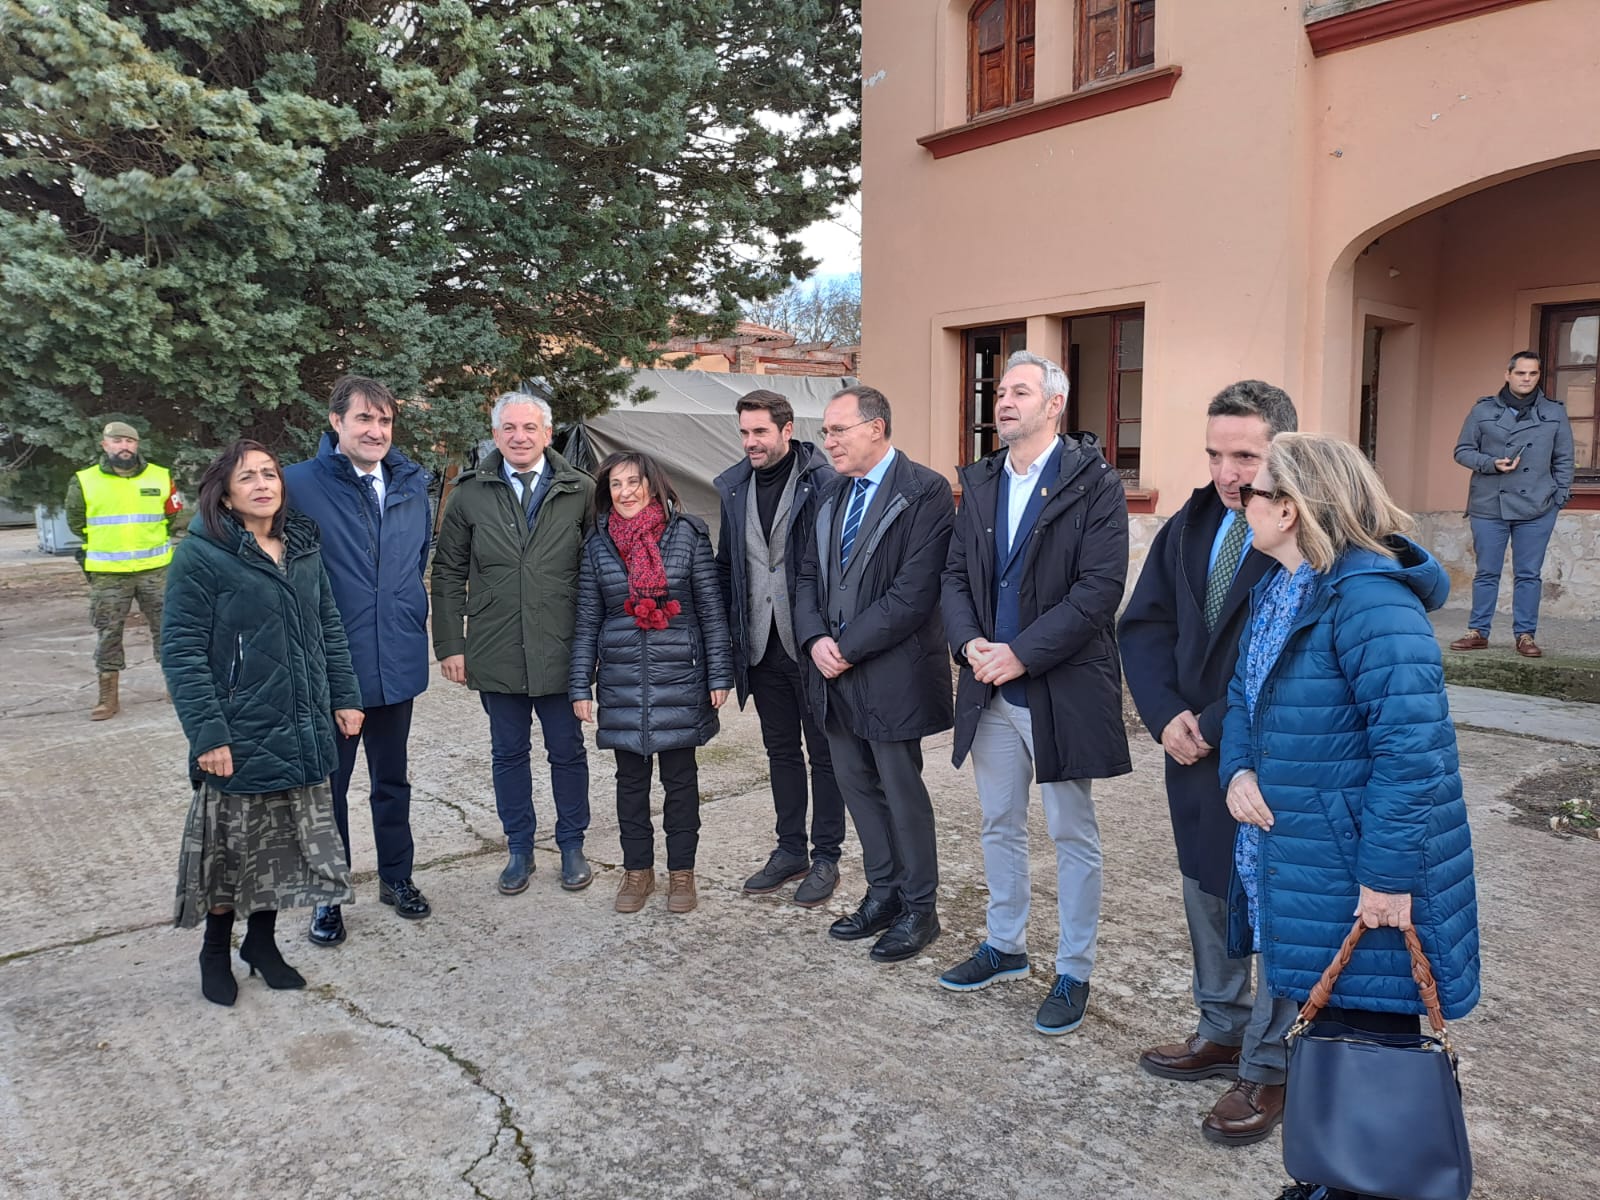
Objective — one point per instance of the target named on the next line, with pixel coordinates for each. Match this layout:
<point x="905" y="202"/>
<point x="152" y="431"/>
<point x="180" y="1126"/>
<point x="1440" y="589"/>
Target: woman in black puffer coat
<point x="651" y="626"/>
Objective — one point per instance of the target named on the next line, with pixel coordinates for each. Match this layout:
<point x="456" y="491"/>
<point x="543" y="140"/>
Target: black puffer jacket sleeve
<point x="590" y="617"/>
<point x="713" y="617"/>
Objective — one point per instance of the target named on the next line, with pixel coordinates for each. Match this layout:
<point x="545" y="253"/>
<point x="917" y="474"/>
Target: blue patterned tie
<point x="852" y="522"/>
<point x="369" y="488"/>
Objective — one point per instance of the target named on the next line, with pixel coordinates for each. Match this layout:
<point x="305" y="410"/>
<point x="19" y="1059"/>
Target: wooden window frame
<point x="1132" y="15"/>
<point x="1114" y="418"/>
<point x="973" y="428"/>
<point x="1017" y="50"/>
<point x="1585" y="475"/>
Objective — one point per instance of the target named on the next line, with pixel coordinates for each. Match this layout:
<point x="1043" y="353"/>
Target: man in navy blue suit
<point x="1180" y="640"/>
<point x="371" y="503"/>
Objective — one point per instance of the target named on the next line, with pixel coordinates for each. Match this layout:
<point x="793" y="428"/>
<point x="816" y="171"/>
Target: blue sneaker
<point x="1062" y="1010"/>
<point x="987" y="965"/>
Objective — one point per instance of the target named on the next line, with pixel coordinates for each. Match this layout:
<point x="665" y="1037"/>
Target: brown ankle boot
<point x="108" y="697"/>
<point x="680" y="892"/>
<point x="635" y="890"/>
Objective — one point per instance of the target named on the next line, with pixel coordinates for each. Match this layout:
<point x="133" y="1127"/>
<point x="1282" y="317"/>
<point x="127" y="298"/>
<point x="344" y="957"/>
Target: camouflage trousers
<point x="271" y="850"/>
<point x="111" y="597"/>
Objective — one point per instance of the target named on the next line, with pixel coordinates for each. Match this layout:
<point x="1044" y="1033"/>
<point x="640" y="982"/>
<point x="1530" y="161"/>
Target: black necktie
<point x="530" y="480"/>
<point x="369" y="488"/>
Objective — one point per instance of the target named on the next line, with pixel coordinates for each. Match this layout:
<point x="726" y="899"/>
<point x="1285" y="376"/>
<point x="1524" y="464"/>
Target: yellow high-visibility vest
<point x="126" y="529"/>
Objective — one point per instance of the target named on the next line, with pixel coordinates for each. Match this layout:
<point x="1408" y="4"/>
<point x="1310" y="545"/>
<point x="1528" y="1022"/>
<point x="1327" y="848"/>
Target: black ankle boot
<point x="261" y="952"/>
<point x="217" y="983"/>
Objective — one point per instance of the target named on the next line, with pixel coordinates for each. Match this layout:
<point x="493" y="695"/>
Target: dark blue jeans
<point x="1528" y="541"/>
<point x="511" y="744"/>
<point x="384" y="731"/>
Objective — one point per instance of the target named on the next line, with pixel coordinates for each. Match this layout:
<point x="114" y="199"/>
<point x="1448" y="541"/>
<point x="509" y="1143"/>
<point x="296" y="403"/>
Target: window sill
<point x="1141" y="500"/>
<point x="1585" y="498"/>
<point x="1144" y="86"/>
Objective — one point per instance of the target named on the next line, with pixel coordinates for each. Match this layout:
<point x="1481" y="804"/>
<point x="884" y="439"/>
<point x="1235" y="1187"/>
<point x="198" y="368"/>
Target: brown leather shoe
<point x="635" y="890"/>
<point x="1473" y="641"/>
<point x="1527" y="647"/>
<point x="680" y="892"/>
<point x="1196" y="1058"/>
<point x="1245" y="1114"/>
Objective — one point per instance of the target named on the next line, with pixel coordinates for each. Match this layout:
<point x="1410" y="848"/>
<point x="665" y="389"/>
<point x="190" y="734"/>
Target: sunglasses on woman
<point x="1248" y="493"/>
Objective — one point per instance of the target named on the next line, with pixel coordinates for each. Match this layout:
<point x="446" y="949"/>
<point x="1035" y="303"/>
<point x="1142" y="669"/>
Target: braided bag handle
<point x="1420" y="971"/>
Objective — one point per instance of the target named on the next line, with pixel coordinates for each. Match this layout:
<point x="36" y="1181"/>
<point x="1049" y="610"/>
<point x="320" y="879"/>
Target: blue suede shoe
<point x="1062" y="1010"/>
<point x="987" y="965"/>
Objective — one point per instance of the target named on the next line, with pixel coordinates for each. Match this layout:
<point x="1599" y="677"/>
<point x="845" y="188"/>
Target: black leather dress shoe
<point x="910" y="934"/>
<point x="872" y="917"/>
<point x="406" y="899"/>
<point x="327" y="925"/>
<point x="576" y="873"/>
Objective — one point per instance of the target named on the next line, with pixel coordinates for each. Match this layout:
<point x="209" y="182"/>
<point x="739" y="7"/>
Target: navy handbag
<point x="1375" y="1114"/>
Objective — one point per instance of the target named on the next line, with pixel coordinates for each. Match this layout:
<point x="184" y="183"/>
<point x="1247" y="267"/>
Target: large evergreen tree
<point x="210" y="209"/>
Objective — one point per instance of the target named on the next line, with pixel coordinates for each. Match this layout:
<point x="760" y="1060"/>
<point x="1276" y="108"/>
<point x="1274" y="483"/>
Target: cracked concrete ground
<point x="545" y="1046"/>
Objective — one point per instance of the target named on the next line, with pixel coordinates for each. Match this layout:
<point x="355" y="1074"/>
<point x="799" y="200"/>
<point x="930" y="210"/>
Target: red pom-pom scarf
<point x="638" y="541"/>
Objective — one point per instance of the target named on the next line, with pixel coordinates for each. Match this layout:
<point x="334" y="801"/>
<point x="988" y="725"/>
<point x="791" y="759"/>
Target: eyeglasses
<point x="1248" y="493"/>
<point x="838" y="431"/>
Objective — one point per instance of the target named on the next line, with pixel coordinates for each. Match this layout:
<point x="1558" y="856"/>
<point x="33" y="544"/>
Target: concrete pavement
<point x="544" y="1046"/>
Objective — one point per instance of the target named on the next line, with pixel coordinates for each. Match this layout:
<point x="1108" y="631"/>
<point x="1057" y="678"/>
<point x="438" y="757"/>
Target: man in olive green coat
<point x="506" y="567"/>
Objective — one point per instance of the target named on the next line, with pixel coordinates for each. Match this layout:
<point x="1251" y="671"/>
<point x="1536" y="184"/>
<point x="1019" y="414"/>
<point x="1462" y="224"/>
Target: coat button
<point x="1005" y="583"/>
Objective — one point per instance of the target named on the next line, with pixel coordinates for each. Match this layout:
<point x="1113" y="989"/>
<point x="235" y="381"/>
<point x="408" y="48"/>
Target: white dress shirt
<point x="1022" y="488"/>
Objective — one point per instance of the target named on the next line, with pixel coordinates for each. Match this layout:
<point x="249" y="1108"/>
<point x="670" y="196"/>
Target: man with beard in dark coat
<point x="769" y="507"/>
<point x="866" y="613"/>
<point x="1180" y="641"/>
<point x="1037" y="564"/>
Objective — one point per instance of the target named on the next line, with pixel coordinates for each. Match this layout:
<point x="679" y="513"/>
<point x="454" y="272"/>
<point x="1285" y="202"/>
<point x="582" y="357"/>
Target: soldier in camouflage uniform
<point x="126" y="510"/>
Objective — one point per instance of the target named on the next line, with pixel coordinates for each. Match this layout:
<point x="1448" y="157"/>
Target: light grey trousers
<point x="1002" y="762"/>
<point x="1229" y="1014"/>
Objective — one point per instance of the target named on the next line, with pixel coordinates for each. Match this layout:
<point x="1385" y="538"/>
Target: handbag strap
<point x="1420" y="971"/>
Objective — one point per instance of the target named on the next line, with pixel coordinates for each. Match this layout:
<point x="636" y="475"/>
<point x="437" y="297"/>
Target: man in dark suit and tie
<point x="1180" y="641"/>
<point x="508" y="553"/>
<point x="866" y="613"/>
<point x="1036" y="570"/>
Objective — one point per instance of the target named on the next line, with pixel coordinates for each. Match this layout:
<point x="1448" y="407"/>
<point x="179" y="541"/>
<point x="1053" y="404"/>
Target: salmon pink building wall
<point x="1264" y="213"/>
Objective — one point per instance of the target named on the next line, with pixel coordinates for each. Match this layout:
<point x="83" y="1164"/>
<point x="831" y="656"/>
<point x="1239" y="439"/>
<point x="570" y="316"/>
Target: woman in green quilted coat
<point x="260" y="675"/>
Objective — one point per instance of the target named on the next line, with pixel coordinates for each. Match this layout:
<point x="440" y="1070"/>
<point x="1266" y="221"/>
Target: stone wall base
<point x="1571" y="564"/>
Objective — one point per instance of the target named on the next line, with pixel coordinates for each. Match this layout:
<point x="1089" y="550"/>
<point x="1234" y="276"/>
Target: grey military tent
<point x="691" y="426"/>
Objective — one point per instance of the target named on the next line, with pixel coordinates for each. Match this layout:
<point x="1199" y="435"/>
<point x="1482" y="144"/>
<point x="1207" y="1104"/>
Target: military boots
<point x="108" y="697"/>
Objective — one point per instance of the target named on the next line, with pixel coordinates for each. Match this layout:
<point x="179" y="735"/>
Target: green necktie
<point x="1222" y="571"/>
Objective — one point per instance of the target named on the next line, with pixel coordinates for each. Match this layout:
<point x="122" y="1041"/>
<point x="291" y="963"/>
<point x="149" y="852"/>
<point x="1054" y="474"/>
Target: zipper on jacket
<point x="238" y="665"/>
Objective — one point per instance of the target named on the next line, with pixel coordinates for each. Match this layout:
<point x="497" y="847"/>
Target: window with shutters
<point x="1571" y="337"/>
<point x="1114" y="37"/>
<point x="1105" y="367"/>
<point x="999" y="55"/>
<point x="984" y="354"/>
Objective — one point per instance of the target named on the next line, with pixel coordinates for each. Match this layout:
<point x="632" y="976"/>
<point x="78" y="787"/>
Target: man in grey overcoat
<point x="1518" y="446"/>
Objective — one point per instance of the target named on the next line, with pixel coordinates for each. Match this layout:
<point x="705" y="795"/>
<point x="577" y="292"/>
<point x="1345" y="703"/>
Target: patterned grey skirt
<point x="271" y="850"/>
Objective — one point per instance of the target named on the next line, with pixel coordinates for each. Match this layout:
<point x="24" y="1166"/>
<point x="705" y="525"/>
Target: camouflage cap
<point x="119" y="429"/>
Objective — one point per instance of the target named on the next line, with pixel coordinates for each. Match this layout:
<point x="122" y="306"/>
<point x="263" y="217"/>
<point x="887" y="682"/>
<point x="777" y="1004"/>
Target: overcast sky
<point x="837" y="243"/>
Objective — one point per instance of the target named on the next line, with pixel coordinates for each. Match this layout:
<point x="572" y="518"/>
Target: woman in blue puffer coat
<point x="1339" y="754"/>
